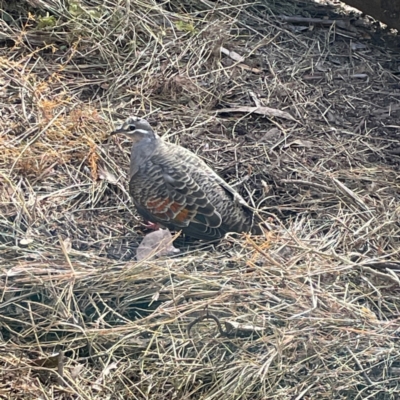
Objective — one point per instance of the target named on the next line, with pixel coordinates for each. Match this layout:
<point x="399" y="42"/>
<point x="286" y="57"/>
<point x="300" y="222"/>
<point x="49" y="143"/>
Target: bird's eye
<point x="132" y="128"/>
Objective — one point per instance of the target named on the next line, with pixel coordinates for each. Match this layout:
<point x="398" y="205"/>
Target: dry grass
<point x="310" y="311"/>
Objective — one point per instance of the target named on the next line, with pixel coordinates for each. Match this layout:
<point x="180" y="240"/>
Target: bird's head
<point x="136" y="129"/>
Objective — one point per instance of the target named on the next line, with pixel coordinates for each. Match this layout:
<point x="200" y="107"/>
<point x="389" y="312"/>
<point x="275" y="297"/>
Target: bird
<point x="173" y="187"/>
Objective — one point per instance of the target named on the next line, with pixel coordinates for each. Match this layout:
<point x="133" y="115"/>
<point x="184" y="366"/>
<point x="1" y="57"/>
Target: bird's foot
<point x="152" y="226"/>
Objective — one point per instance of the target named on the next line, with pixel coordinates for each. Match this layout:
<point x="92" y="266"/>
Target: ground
<point x="309" y="310"/>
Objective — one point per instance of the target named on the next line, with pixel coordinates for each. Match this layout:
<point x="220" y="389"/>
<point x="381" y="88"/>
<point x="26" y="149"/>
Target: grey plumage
<point x="172" y="186"/>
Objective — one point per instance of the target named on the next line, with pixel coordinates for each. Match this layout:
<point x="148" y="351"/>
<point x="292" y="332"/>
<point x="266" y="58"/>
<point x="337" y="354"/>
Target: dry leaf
<point x="299" y="143"/>
<point x="106" y="175"/>
<point x="26" y="241"/>
<point x="105" y="372"/>
<point x="67" y="245"/>
<point x="368" y="314"/>
<point x="240" y="59"/>
<point x="75" y="372"/>
<point x="265" y="111"/>
<point x="158" y="243"/>
<point x="243" y="328"/>
<point x="273" y="133"/>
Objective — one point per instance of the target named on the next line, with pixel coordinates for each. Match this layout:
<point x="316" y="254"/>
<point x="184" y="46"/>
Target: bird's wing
<point x="238" y="199"/>
<point x="174" y="197"/>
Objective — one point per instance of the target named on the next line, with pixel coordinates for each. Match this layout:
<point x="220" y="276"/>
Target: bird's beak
<point x="121" y="129"/>
<point x="117" y="131"/>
